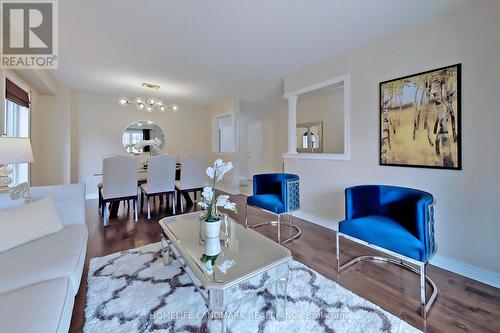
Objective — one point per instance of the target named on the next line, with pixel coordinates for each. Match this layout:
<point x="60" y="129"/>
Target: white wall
<point x="100" y="121"/>
<point x="51" y="133"/>
<point x="74" y="155"/>
<point x="230" y="182"/>
<point x="467" y="218"/>
<point x="326" y="106"/>
<point x="271" y="111"/>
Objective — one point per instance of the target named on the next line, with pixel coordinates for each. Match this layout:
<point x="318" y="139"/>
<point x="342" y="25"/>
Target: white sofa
<point x="39" y="279"/>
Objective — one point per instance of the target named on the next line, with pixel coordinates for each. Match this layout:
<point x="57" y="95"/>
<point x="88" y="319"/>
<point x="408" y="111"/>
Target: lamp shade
<point x="15" y="150"/>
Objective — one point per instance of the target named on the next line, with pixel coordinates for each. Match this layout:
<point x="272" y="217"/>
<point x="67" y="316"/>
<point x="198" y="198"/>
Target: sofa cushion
<point x="269" y="202"/>
<point x="56" y="255"/>
<point x="42" y="307"/>
<point x="385" y="233"/>
<point x="69" y="200"/>
<point x="25" y="223"/>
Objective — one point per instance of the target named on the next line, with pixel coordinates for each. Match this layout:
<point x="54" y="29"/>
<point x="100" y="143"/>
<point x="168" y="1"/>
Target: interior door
<point x="254" y="143"/>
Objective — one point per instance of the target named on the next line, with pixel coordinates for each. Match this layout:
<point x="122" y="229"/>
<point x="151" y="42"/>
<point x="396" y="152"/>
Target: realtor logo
<point x="29" y="34"/>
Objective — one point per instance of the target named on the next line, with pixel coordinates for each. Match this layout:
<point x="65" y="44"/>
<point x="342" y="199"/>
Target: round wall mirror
<point x="143" y="136"/>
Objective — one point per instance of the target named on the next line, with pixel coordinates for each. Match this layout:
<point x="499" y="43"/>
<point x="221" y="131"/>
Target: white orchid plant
<point x="208" y="201"/>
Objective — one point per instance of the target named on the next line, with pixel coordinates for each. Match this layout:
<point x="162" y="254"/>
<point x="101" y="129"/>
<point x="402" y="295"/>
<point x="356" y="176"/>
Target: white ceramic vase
<point x="212" y="246"/>
<point x="212" y="229"/>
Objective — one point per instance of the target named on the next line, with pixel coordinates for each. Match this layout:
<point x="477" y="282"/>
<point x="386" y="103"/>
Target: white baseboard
<point x="452" y="265"/>
<point x="246" y="191"/>
<point x="227" y="189"/>
<point x="243" y="181"/>
<point x="329" y="224"/>
<point x="472" y="272"/>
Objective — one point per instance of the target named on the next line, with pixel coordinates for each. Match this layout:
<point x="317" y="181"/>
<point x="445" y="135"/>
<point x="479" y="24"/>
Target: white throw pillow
<point x="28" y="222"/>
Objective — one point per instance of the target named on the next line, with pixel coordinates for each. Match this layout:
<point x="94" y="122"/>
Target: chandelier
<point x="151" y="104"/>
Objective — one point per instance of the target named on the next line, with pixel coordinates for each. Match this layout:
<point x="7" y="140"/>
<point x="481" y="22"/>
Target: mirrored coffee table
<point x="248" y="263"/>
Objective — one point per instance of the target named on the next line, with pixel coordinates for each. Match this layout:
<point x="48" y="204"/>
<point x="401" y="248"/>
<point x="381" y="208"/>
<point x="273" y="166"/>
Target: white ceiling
<point x="202" y="52"/>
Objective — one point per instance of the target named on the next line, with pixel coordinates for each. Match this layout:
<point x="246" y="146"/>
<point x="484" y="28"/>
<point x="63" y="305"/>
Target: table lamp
<point x="13" y="151"/>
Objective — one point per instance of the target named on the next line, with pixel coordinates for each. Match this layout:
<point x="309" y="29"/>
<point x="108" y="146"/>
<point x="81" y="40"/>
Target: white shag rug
<point x="133" y="291"/>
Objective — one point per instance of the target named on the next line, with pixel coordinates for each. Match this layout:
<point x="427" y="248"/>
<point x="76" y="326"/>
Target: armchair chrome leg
<point x="422" y="291"/>
<point x="292" y="226"/>
<point x="277" y="223"/>
<point x="136" y="213"/>
<point x="425" y="304"/>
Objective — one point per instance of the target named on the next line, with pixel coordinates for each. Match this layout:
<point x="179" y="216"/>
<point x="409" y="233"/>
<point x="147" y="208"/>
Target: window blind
<point x="17" y="95"/>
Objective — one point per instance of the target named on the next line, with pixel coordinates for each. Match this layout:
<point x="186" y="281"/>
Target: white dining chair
<point x="192" y="177"/>
<point x="99" y="185"/>
<point x="160" y="181"/>
<point x="119" y="182"/>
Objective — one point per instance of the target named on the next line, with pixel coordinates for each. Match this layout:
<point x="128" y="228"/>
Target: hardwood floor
<point x="463" y="305"/>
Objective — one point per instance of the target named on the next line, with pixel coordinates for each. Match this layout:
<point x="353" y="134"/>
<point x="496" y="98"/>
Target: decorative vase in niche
<point x="212" y="229"/>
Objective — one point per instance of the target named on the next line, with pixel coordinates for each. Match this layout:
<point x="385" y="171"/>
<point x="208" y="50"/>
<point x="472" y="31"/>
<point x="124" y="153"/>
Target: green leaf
<point x="204" y="258"/>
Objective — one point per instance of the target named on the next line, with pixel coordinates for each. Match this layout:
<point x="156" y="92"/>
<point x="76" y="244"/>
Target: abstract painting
<point x="420" y="120"/>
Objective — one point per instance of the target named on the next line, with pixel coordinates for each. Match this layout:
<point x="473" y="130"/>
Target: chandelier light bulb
<point x="174" y="107"/>
<point x="140" y="106"/>
<point x="123" y="101"/>
<point x="139" y="100"/>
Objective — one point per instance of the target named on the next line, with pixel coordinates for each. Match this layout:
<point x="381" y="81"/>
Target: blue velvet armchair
<point x="398" y="221"/>
<point x="276" y="193"/>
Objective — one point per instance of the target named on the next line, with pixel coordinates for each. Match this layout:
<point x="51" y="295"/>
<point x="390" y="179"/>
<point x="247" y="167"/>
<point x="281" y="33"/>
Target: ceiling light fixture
<point x="151" y="104"/>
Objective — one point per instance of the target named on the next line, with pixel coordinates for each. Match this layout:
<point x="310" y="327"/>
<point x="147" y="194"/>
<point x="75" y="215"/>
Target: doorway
<point x="254" y="149"/>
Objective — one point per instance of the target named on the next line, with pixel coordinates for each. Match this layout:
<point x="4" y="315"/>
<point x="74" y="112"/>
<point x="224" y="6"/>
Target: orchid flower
<point x="203" y="204"/>
<point x="208" y="201"/>
<point x="230" y="206"/>
<point x="223" y="169"/>
<point x="207" y="193"/>
<point x="219" y="169"/>
<point x="211" y="172"/>
<point x="224" y="202"/>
